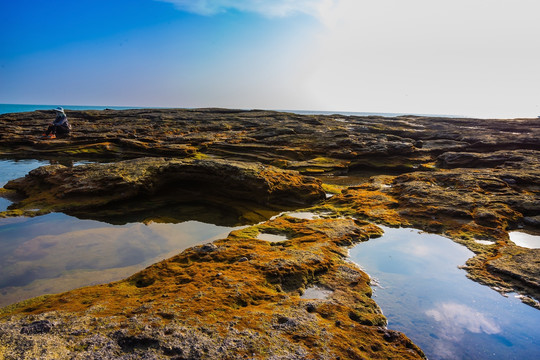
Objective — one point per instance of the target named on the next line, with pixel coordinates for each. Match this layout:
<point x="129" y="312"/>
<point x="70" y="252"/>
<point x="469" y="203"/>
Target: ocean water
<point x="15" y="108"/>
<point x="353" y="113"/>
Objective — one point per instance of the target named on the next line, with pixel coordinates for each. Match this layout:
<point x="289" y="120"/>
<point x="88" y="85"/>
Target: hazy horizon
<point x="32" y="107"/>
<point x="475" y="58"/>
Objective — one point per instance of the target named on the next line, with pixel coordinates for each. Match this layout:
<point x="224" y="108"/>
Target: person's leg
<point x="62" y="130"/>
<point x="49" y="130"/>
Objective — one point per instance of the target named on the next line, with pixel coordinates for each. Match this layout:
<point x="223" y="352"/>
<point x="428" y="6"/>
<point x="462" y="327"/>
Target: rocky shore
<point x="240" y="297"/>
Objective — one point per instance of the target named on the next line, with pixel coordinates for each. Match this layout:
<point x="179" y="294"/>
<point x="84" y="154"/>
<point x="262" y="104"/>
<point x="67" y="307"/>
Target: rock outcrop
<point x="136" y="186"/>
<point x="310" y="143"/>
<point x="468" y="179"/>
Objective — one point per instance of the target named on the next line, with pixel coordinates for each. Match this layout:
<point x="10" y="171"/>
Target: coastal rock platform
<point x="235" y="298"/>
<point x="469" y="179"/>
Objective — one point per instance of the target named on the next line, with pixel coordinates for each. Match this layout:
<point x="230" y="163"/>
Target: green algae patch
<point x="311" y="170"/>
<point x="6" y="193"/>
<point x="333" y="189"/>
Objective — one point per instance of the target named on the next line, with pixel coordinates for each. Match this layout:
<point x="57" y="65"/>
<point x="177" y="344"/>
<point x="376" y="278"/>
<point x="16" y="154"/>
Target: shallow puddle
<point x="484" y="242"/>
<point x="315" y="292"/>
<point x="57" y="252"/>
<point x="525" y="240"/>
<point x="424" y="294"/>
<point x="306" y="215"/>
<point x="11" y="169"/>
<point x="272" y="237"/>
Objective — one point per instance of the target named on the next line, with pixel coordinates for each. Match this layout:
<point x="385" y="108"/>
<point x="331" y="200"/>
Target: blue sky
<point x="473" y="57"/>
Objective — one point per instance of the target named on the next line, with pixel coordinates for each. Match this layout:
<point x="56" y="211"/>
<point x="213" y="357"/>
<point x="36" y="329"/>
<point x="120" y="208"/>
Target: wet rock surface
<point x="116" y="188"/>
<point x="206" y="304"/>
<point x="468" y="179"/>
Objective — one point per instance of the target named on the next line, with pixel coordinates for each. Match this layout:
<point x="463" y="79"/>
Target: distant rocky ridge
<point x="293" y="141"/>
<point x="468" y="179"/>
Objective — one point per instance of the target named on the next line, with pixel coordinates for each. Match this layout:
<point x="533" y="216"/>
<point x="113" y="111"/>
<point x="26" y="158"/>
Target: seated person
<point x="59" y="126"/>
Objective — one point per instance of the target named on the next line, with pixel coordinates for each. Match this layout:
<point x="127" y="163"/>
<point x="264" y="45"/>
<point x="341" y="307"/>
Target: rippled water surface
<point x="423" y="293"/>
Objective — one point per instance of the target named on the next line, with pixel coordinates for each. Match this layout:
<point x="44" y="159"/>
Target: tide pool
<point x="424" y="294"/>
<point x="56" y="252"/>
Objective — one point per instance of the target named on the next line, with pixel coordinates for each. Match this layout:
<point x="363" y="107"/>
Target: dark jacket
<point x="61" y="120"/>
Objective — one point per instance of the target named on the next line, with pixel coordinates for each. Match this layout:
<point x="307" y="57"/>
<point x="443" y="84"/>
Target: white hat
<point x="59" y="109"/>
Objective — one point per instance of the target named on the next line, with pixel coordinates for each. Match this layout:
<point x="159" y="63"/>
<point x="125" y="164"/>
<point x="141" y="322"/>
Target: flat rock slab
<point x="269" y="137"/>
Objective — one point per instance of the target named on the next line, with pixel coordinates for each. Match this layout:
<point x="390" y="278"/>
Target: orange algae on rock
<point x="239" y="296"/>
<point x="465" y="205"/>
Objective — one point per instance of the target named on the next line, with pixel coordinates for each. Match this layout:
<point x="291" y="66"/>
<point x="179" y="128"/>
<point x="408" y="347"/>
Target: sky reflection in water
<point x="525" y="240"/>
<point x="57" y="252"/>
<point x="424" y="294"/>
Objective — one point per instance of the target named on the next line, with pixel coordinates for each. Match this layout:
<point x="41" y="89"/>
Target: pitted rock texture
<point x="304" y="142"/>
<point x="206" y="304"/>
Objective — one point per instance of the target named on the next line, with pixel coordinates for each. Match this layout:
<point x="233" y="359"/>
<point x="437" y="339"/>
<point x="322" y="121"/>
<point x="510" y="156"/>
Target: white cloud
<point x="271" y="8"/>
<point x="469" y="57"/>
<point x="455" y="319"/>
<point x="463" y="57"/>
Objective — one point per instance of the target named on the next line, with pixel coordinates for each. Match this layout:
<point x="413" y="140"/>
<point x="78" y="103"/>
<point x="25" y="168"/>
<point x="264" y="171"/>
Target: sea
<point x="15" y="108"/>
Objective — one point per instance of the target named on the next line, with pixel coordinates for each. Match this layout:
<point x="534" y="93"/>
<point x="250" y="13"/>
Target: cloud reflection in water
<point x="455" y="320"/>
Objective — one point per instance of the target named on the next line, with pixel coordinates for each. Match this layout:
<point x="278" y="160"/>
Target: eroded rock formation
<point x="468" y="179"/>
<point x="138" y="185"/>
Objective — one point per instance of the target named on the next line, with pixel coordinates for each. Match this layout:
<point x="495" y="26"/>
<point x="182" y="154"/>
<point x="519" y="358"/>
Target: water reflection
<point x="307" y="215"/>
<point x="524" y="239"/>
<point x="272" y="237"/>
<point x="179" y="206"/>
<point x="424" y="294"/>
<point x="13" y="169"/>
<point x="57" y="252"/>
<point x="455" y="321"/>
